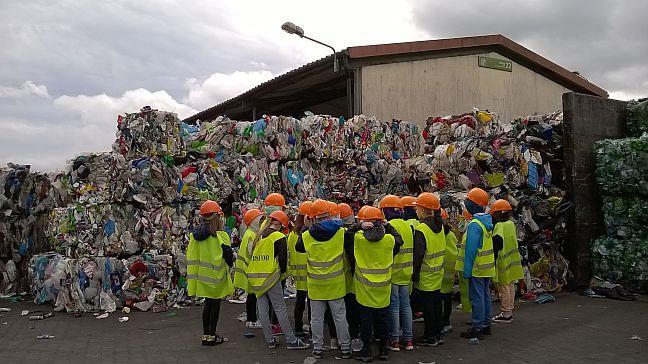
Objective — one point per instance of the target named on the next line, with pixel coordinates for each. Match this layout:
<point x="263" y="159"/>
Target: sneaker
<point x="471" y="334"/>
<point x="334" y="344"/>
<point x="447" y="329"/>
<point x="440" y="340"/>
<point x="317" y="354"/>
<point x="407" y="345"/>
<point x="346" y="355"/>
<point x="301" y="334"/>
<point x="486" y="330"/>
<point x="383" y="353"/>
<point x="418" y="317"/>
<point x="253" y="325"/>
<point x="211" y="340"/>
<point x="428" y="341"/>
<point x="502" y="318"/>
<point x="204" y="339"/>
<point x="366" y="356"/>
<point x="297" y="345"/>
<point x="276" y="330"/>
<point x="393" y="346"/>
<point x="272" y="344"/>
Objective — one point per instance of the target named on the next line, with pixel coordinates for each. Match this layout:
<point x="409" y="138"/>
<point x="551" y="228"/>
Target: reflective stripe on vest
<point x="484" y="266"/>
<point x="241" y="264"/>
<point x="432" y="267"/>
<point x="509" y="262"/>
<point x="263" y="270"/>
<point x="325" y="266"/>
<point x="297" y="263"/>
<point x="373" y="273"/>
<point x="403" y="266"/>
<point x="207" y="274"/>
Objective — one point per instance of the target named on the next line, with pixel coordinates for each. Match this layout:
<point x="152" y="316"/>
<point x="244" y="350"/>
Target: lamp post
<point x="291" y="28"/>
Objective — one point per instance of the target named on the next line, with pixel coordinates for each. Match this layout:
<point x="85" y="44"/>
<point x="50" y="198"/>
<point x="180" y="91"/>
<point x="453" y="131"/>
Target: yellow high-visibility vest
<point x="372" y="276"/>
<point x="263" y="268"/>
<point x="297" y="263"/>
<point x="325" y="267"/>
<point x="449" y="261"/>
<point x="432" y="268"/>
<point x="207" y="273"/>
<point x="484" y="266"/>
<point x="509" y="262"/>
<point x="241" y="266"/>
<point x="403" y="261"/>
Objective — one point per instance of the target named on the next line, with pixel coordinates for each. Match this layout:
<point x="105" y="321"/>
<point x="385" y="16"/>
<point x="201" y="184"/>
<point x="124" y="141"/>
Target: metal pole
<point x="336" y="67"/>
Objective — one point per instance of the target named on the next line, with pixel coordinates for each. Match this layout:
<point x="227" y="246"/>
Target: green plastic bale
<point x="622" y="166"/>
<point x="637" y="118"/>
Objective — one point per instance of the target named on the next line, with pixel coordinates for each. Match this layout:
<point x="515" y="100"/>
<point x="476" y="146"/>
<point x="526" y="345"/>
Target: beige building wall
<point x="437" y="87"/>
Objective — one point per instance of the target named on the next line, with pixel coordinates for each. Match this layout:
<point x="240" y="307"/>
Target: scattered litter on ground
<point x="24" y="313"/>
<point x="123" y="319"/>
<point x="545" y="298"/>
<point x="45" y="336"/>
<point x="102" y="316"/>
<point x="636" y="337"/>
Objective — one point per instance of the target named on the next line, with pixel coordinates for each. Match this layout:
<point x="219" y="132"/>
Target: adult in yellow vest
<point x="208" y="256"/>
<point x="252" y="220"/>
<point x="268" y="261"/>
<point x="374" y="248"/>
<point x="447" y="284"/>
<point x="429" y="249"/>
<point x="297" y="266"/>
<point x="507" y="258"/>
<point x="479" y="262"/>
<point x="400" y="311"/>
<point x="324" y="243"/>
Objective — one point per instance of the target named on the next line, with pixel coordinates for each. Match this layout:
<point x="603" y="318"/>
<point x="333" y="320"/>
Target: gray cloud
<point x="604" y="40"/>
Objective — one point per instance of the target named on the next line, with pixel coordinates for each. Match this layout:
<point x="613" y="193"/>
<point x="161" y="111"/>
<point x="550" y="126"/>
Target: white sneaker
<point x="253" y="325"/>
<point x="334" y="344"/>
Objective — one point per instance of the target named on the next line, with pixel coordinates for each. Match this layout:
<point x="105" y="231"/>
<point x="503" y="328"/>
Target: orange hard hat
<point x="391" y="201"/>
<point x="408" y="201"/>
<point x="362" y="211"/>
<point x="467" y="215"/>
<point x="372" y="213"/>
<point x="275" y="199"/>
<point x="345" y="210"/>
<point x="320" y="207"/>
<point x="250" y="215"/>
<point x="501" y="205"/>
<point x="444" y="214"/>
<point x="428" y="200"/>
<point x="334" y="208"/>
<point x="281" y="217"/>
<point x="478" y="196"/>
<point x="210" y="207"/>
<point x="305" y="208"/>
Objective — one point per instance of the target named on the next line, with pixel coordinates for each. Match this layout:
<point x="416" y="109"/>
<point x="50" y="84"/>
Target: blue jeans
<point x="400" y="313"/>
<point x="480" y="300"/>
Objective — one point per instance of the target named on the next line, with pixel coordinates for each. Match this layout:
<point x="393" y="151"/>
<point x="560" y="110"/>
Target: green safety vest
<point x="432" y="267"/>
<point x="484" y="266"/>
<point x="449" y="261"/>
<point x="240" y="269"/>
<point x="403" y="261"/>
<point x="509" y="262"/>
<point x="263" y="268"/>
<point x="461" y="253"/>
<point x="325" y="267"/>
<point x="297" y="263"/>
<point x="413" y="222"/>
<point x="372" y="276"/>
<point x="207" y="274"/>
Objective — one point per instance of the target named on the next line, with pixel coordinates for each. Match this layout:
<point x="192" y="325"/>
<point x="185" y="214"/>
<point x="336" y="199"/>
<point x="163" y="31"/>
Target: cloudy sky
<point x="69" y="67"/>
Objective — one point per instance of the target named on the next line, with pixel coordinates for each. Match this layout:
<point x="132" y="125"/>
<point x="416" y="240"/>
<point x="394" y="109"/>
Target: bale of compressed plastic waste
<point x="637" y="117"/>
<point x="622" y="166"/>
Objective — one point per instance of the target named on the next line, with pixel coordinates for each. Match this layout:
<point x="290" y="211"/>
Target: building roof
<point x="280" y="87"/>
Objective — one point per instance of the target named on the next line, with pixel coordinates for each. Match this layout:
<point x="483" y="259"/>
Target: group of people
<point x="362" y="276"/>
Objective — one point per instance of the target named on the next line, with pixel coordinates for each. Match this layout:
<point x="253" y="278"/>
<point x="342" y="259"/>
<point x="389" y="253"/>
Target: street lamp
<point x="291" y="28"/>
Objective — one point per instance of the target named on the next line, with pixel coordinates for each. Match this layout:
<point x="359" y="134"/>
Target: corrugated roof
<point x="263" y="85"/>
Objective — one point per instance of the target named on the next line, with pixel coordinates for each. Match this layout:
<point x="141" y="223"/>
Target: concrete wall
<point x="587" y="119"/>
<point x="442" y="86"/>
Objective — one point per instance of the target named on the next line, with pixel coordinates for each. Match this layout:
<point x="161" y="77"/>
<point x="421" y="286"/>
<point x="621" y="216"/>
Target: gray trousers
<point x="276" y="296"/>
<point x="338" y="311"/>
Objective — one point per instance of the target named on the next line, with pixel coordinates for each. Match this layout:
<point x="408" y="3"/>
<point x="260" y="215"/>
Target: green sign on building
<point x="496" y="64"/>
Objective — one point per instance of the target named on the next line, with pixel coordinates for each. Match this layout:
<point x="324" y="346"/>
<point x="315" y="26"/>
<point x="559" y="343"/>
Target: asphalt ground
<point x="574" y="329"/>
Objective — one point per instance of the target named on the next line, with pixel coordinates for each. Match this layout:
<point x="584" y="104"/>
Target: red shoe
<point x="393" y="345"/>
<point x="276" y="330"/>
<point x="407" y="345"/>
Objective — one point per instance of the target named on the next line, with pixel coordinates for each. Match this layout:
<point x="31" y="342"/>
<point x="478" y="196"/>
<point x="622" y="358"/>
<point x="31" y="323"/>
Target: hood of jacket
<point x="375" y="233"/>
<point x="325" y="230"/>
<point x="485" y="219"/>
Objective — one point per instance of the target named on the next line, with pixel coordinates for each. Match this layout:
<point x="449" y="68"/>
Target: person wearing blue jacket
<point x="479" y="263"/>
